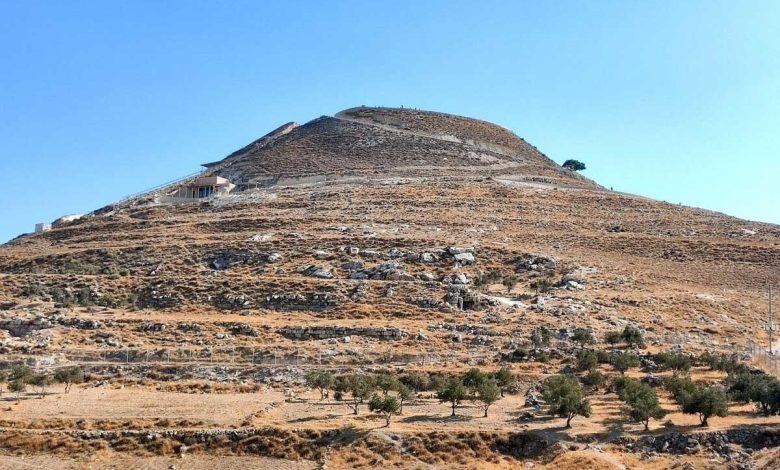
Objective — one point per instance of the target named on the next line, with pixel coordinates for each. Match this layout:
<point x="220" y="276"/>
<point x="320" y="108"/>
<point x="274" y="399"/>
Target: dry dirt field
<point x="374" y="241"/>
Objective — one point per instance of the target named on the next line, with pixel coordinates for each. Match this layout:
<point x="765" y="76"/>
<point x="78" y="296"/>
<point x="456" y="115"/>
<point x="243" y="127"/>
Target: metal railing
<point x="161" y="186"/>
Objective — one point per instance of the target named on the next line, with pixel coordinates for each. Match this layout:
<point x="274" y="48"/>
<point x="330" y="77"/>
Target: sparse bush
<point x="543" y="285"/>
<point x="41" y="380"/>
<point x="486" y="278"/>
<point x="17" y="387"/>
<point x="564" y="395"/>
<point x="417" y="381"/>
<point x="509" y="283"/>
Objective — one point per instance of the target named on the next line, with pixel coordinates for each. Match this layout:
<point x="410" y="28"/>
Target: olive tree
<point x="565" y="397"/>
<point x="386" y="405"/>
<point x="451" y="391"/>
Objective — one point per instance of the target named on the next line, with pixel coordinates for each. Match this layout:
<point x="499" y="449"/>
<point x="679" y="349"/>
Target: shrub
<point x="679" y="387"/>
<point x="543" y="285"/>
<point x="632" y="336"/>
<point x="509" y="283"/>
<point x="583" y="336"/>
<point x="451" y="391"/>
<point x="613" y="337"/>
<point x="624" y="361"/>
<point x="678" y="362"/>
<point x="586" y="360"/>
<point x="564" y="395"/>
<point x="593" y="379"/>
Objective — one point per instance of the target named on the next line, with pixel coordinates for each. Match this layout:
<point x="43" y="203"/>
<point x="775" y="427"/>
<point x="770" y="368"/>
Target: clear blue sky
<point x="675" y="100"/>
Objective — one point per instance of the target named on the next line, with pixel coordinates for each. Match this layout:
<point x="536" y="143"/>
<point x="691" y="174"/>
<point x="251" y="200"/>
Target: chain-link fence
<point x="769" y="362"/>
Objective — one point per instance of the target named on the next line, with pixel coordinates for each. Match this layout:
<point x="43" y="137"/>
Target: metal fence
<point x="761" y="357"/>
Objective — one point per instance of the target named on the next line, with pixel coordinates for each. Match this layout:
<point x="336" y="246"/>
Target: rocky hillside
<point x="377" y="238"/>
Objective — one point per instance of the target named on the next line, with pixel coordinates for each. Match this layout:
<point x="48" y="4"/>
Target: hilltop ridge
<point x="393" y="142"/>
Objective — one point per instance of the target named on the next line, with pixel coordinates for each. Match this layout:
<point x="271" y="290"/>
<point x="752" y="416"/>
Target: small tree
<point x="706" y="402"/>
<point x="624" y="361"/>
<point x="20" y="372"/>
<point x="473" y="379"/>
<point x="360" y="388"/>
<point x="17" y="386"/>
<point x="680" y="387"/>
<point x="41" y="381"/>
<point x="564" y="395"/>
<point x="386" y="383"/>
<point x="587" y="360"/>
<point x="642" y="402"/>
<point x="573" y="165"/>
<point x="69" y="376"/>
<point x="416" y="381"/>
<point x="386" y="405"/>
<point x="404" y="395"/>
<point x="509" y="283"/>
<point x="676" y="361"/>
<point x="613" y="337"/>
<point x="593" y="379"/>
<point x="632" y="336"/>
<point x="487" y="394"/>
<point x="583" y="336"/>
<point x="504" y="379"/>
<point x="451" y="391"/>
